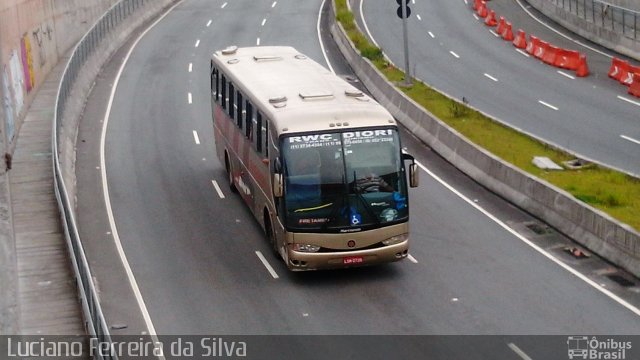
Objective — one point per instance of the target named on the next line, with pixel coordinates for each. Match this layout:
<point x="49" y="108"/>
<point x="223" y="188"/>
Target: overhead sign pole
<point x="404" y="12"/>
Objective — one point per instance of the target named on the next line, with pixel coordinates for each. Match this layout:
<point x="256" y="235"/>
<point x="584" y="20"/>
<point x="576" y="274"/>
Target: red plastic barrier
<point x="628" y="79"/>
<point x="531" y="46"/>
<point x="634" y="88"/>
<point x="501" y="25"/>
<point x="567" y="59"/>
<point x="476" y="4"/>
<point x="507" y="33"/>
<point x="540" y="48"/>
<point x="619" y="69"/>
<point x="520" y="40"/>
<point x="491" y="19"/>
<point x="550" y="54"/>
<point x="583" y="68"/>
<point x="482" y="10"/>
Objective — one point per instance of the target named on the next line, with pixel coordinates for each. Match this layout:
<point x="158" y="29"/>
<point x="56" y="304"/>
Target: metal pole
<point x="407" y="79"/>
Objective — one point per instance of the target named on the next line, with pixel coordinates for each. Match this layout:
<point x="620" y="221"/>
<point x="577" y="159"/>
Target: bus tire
<point x="268" y="230"/>
<point x="227" y="165"/>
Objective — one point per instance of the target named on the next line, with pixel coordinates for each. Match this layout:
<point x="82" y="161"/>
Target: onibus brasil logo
<point x="583" y="347"/>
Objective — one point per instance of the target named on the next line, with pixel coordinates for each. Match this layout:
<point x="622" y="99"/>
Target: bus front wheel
<point x="271" y="236"/>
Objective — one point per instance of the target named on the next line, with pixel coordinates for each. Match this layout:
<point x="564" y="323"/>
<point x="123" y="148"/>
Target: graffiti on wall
<point x="27" y="62"/>
<point x="17" y="82"/>
<point x="40" y="36"/>
<point x="6" y="104"/>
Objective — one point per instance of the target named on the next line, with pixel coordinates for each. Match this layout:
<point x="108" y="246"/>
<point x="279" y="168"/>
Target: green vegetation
<point x="613" y="192"/>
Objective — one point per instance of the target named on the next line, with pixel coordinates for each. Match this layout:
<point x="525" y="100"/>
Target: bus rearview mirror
<point x="277" y="185"/>
<point x="414" y="178"/>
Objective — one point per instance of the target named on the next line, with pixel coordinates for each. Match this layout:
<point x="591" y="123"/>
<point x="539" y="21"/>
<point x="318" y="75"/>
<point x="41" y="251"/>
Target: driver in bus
<point x="371" y="182"/>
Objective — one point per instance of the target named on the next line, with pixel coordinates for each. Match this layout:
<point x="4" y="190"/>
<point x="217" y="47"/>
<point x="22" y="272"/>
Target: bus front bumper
<point x="301" y="261"/>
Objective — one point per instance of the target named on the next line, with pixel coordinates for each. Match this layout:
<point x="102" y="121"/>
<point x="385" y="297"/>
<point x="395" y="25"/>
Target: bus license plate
<point x="352" y="260"/>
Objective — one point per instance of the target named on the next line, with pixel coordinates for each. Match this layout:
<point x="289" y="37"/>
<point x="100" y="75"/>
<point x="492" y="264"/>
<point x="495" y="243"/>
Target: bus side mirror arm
<point x="414" y="174"/>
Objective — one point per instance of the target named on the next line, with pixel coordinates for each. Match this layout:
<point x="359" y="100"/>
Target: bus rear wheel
<point x="227" y="166"/>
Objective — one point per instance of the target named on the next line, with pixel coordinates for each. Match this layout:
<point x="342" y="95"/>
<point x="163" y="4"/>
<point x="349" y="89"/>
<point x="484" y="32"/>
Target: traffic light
<point x="406" y="6"/>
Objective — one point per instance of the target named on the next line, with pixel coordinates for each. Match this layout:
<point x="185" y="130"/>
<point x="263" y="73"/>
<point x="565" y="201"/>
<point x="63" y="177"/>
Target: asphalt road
<point x="192" y="252"/>
<point x="455" y="52"/>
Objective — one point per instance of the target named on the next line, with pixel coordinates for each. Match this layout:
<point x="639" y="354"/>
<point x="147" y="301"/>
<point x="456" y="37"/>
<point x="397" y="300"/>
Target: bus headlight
<point x="306" y="248"/>
<point x="395" y="239"/>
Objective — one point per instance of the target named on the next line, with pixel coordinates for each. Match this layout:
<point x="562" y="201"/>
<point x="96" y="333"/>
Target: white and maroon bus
<point x="318" y="162"/>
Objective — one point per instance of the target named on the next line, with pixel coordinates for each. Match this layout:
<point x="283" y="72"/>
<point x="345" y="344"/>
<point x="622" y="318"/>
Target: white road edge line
<point x="264" y="21"/>
<point x="419" y="18"/>
<point x="190" y="98"/>
<point x="494" y="33"/>
<point x="258" y="41"/>
<point x="630" y="139"/>
<point x="476" y="16"/>
<point x="566" y="75"/>
<point x="105" y="187"/>
<point x="274" y="4"/>
<point x="518" y="351"/>
<point x="218" y="190"/>
<point x="223" y="6"/>
<point x="190" y="67"/>
<point x="366" y="27"/>
<point x="412" y="259"/>
<point x="324" y="53"/>
<point x="454" y="54"/>
<point x="431" y="34"/>
<point x="506" y="227"/>
<point x="523" y="53"/>
<point x="548" y="105"/>
<point x="209" y="23"/>
<point x="197" y="42"/>
<point x="267" y="265"/>
<point x="491" y="77"/>
<point x="196" y="138"/>
<point x="628" y="100"/>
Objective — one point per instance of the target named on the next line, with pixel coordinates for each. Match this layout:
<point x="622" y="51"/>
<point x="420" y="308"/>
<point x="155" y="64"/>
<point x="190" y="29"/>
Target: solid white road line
<point x="548" y="105"/>
<point x="218" y="190"/>
<point x="537" y="248"/>
<point x="517" y="350"/>
<point x="628" y="100"/>
<point x="630" y="139"/>
<point x="491" y="77"/>
<point x="566" y="75"/>
<point x="366" y="28"/>
<point x="454" y="54"/>
<point x="105" y="186"/>
<point x="324" y="53"/>
<point x="190" y="98"/>
<point x="196" y="138"/>
<point x="209" y="23"/>
<point x="412" y="259"/>
<point x="197" y="42"/>
<point x="267" y="265"/>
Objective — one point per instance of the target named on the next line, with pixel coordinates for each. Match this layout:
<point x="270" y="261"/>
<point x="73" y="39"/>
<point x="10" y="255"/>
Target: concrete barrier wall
<point x="605" y="37"/>
<point x="34" y="35"/>
<point x="588" y="226"/>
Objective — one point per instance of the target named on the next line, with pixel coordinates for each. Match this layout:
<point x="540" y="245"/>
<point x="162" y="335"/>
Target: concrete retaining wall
<point x="34" y="35"/>
<point x="588" y="226"/>
<point x="605" y="37"/>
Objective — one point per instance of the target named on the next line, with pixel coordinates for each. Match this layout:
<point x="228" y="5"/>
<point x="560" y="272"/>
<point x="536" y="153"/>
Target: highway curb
<point x="599" y="232"/>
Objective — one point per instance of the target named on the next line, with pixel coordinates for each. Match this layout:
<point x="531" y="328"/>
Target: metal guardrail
<point x="94" y="318"/>
<point x="604" y="15"/>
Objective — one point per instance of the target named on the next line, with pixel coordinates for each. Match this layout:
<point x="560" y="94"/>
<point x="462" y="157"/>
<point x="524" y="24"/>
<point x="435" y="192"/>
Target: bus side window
<point x="249" y="130"/>
<point x="258" y="133"/>
<point x="265" y="136"/>
<point x="248" y="119"/>
<point x="239" y="109"/>
<point x="231" y="100"/>
<point x="223" y="87"/>
<point x="214" y="81"/>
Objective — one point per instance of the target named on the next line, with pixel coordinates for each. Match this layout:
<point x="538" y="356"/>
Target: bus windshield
<point x="344" y="180"/>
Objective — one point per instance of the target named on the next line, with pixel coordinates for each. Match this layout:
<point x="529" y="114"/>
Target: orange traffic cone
<point x="520" y="41"/>
<point x="583" y="68"/>
<point x="491" y="19"/>
<point x="501" y="25"/>
<point x="482" y="10"/>
<point x="507" y="33"/>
